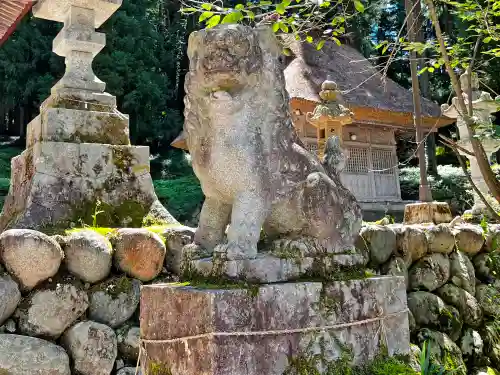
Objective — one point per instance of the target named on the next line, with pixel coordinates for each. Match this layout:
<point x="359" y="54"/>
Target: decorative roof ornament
<point x="332" y="104"/>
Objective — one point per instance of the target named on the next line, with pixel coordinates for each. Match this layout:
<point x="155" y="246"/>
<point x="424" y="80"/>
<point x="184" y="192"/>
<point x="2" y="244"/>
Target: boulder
<point x="47" y="312"/>
<point x="490" y="334"/>
<point x="472" y="346"/>
<point x="128" y="371"/>
<point x="139" y="253"/>
<point x="396" y="267"/>
<point x="176" y="238"/>
<point x="10" y="296"/>
<point x="114" y="301"/>
<point x="443" y="350"/>
<point x="488" y="298"/>
<point x="468" y="238"/>
<point x="462" y="272"/>
<point x="484" y="266"/>
<point x="430" y="311"/>
<point x="381" y="241"/>
<point x="440" y="239"/>
<point x="9" y="327"/>
<point x="430" y="272"/>
<point x="119" y="363"/>
<point x="30" y="256"/>
<point x="22" y="355"/>
<point x="92" y="348"/>
<point x="467" y="305"/>
<point x="493" y="238"/>
<point x="412" y="240"/>
<point x="128" y="338"/>
<point x="88" y="255"/>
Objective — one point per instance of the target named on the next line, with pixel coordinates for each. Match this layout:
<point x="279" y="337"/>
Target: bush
<point x="181" y="196"/>
<point x="451" y="186"/>
<point x="6" y="154"/>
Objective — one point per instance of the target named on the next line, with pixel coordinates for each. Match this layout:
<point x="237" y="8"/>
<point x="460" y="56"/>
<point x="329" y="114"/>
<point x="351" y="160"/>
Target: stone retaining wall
<point x="453" y="290"/>
<point x="69" y="303"/>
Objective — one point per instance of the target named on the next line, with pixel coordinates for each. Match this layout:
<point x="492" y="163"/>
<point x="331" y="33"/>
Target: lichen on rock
<point x="114" y="301"/>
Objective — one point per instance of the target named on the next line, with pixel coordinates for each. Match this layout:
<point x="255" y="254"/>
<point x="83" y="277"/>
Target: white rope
<point x="267" y="333"/>
<point x="276" y="332"/>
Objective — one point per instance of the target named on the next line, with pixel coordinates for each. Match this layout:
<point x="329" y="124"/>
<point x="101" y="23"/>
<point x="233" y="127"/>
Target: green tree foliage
<point x="142" y="65"/>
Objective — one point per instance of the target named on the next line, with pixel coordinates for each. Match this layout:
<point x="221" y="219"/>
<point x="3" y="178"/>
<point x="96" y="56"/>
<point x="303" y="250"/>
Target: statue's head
<point x="225" y="57"/>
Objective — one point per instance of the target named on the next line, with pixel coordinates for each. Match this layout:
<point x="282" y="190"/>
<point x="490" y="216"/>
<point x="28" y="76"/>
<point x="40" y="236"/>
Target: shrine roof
<point x="361" y="84"/>
<point x="11" y="13"/>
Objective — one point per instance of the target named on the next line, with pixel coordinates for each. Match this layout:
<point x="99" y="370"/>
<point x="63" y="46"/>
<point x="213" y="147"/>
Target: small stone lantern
<point x="330" y="115"/>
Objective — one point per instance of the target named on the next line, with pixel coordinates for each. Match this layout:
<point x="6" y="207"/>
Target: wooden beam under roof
<point x="11" y="13"/>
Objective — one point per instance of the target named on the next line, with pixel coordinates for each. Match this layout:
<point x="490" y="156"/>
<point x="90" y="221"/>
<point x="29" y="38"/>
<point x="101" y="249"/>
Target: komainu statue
<point x="254" y="172"/>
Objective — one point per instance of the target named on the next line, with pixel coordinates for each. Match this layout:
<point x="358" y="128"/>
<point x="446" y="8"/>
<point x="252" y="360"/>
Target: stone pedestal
<point x="427" y="212"/>
<point x="189" y="330"/>
<point x="78" y="160"/>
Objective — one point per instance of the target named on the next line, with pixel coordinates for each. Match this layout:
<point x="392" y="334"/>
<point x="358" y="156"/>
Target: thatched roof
<point x="357" y="78"/>
<point x="11" y="12"/>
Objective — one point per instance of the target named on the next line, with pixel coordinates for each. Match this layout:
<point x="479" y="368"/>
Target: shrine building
<point x="380" y="111"/>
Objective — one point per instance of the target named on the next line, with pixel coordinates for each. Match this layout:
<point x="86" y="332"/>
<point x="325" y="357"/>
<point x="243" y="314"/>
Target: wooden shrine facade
<point x="381" y="109"/>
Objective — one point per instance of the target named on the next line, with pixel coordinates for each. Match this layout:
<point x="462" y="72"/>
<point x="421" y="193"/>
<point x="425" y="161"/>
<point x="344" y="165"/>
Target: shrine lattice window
<point x="357" y="162"/>
<point x="383" y="161"/>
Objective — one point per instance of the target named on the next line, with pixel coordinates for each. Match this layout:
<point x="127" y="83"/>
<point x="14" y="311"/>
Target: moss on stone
<point x="122" y="158"/>
<point x="156" y="368"/>
<point x="112" y="130"/>
<point x="325" y="269"/>
<point x="381" y="365"/>
<point x="129" y="213"/>
<point x="115" y="287"/>
<point x="205" y="284"/>
<point x="103" y="231"/>
<point x="160" y="230"/>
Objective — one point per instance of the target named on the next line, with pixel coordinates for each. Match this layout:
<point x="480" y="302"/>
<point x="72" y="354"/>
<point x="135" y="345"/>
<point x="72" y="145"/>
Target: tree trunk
<point x="481" y="157"/>
<point x="424" y="189"/>
<point x="424" y="79"/>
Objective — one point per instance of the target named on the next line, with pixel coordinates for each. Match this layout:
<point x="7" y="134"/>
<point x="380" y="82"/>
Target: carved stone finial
<point x="332" y="102"/>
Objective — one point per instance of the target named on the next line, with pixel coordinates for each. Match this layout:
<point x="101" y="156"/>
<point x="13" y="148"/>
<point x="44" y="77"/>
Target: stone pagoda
<point x="483" y="107"/>
<point x="78" y="163"/>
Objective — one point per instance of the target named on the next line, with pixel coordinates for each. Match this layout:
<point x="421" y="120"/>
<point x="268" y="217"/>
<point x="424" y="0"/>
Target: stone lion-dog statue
<point x="253" y="169"/>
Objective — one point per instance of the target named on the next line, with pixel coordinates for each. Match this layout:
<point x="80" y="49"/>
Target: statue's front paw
<point x="232" y="251"/>
<point x="194" y="251"/>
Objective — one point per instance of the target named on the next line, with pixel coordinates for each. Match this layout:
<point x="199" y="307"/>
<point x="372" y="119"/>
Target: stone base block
<point x="427" y="212"/>
<point x="57" y="184"/>
<point x="268" y="268"/>
<point x="78" y="126"/>
<point x="61" y="97"/>
<point x="189" y="330"/>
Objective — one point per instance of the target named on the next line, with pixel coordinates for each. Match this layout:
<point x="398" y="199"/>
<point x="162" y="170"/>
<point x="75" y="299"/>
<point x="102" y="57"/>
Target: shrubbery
<point x="451" y="186"/>
<point x="181" y="196"/>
